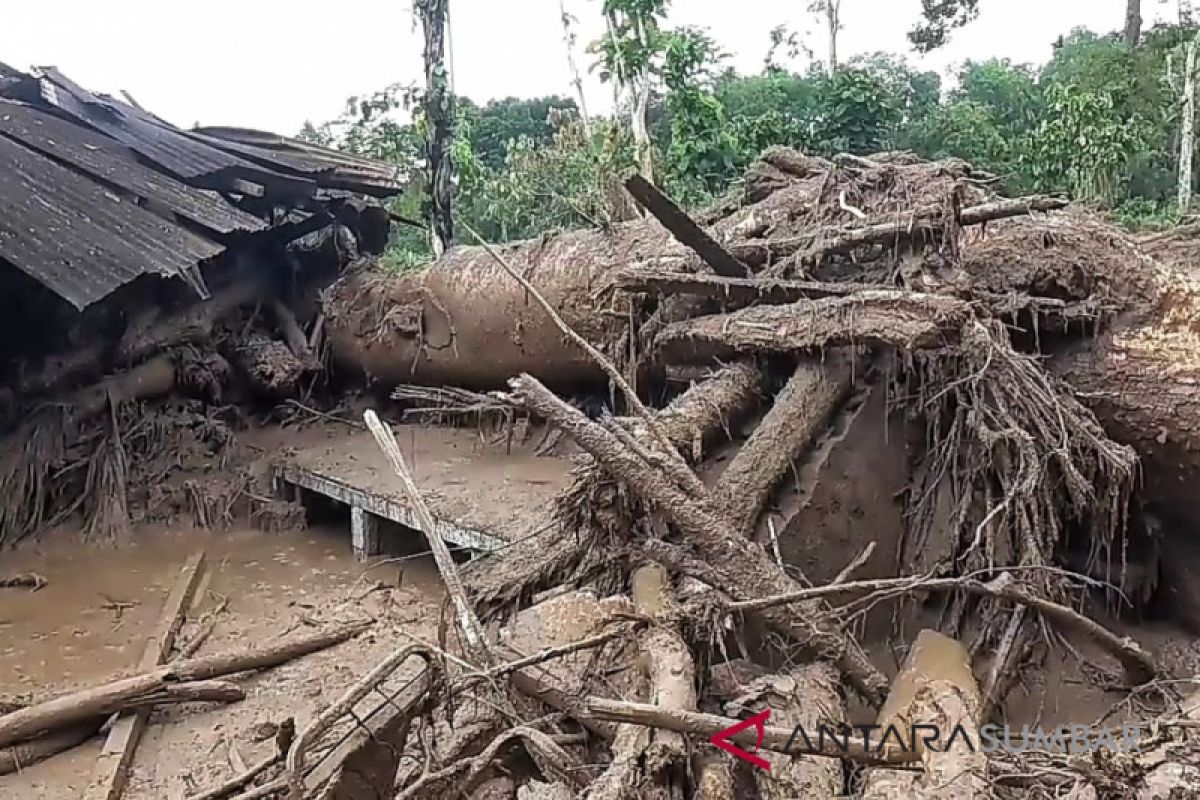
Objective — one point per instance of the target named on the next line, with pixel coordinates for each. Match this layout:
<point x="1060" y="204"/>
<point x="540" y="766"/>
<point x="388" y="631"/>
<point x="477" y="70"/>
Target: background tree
<point x="628" y="53"/>
<point x="938" y="19"/>
<point x="830" y="13"/>
<point x="570" y="40"/>
<point x="1133" y="23"/>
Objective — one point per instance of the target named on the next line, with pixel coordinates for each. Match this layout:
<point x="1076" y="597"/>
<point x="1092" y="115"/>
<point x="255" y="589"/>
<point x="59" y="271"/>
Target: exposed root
<point x="1012" y="464"/>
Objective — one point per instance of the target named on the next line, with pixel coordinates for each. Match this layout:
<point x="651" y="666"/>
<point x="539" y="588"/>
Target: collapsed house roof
<point x="95" y="192"/>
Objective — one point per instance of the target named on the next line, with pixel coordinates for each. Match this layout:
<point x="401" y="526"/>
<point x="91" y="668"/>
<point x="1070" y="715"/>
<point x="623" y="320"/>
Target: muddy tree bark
<point x="798" y="413"/>
<point x="431" y="327"/>
<point x="693" y="420"/>
<point x="1142" y="380"/>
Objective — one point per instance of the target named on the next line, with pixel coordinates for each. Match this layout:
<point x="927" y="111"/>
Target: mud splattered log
<point x="1142" y="380"/>
<point x="935" y="687"/>
<point x="799" y="412"/>
<point x="807" y="696"/>
<point x="432" y="326"/>
<point x="906" y="320"/>
<point x="739" y="568"/>
<point x="705" y="412"/>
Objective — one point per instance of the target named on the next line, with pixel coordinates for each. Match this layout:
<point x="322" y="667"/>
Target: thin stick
<point x="1139" y="665"/>
<point x="693" y="485"/>
<point x="854" y="565"/>
<point x="471" y="628"/>
<point x="239" y="781"/>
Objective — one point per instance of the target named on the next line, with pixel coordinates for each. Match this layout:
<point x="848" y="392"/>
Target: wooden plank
<point x="388" y="509"/>
<point x="684" y="228"/>
<point x="112" y="767"/>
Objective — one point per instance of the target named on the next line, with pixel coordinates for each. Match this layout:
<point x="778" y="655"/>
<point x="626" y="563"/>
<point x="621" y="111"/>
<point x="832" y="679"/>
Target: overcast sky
<point x="272" y="64"/>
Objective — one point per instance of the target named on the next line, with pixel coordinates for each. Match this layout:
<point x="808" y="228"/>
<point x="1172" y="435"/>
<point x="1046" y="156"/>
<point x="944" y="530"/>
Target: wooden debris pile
<point x="654" y="608"/>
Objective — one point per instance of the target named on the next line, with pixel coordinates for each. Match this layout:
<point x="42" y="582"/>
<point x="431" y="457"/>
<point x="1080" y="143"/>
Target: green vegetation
<point x="1099" y="121"/>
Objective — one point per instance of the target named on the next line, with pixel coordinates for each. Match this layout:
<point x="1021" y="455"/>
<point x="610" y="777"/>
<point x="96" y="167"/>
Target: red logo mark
<point x="721" y="739"/>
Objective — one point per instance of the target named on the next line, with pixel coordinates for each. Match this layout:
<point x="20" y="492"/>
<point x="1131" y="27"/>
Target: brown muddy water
<point x="88" y="624"/>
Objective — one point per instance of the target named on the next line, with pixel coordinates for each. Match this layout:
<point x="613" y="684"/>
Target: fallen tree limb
<point x="20" y="756"/>
<point x="699" y="416"/>
<point x="743" y="570"/>
<point x="797" y="415"/>
<point x="845" y="240"/>
<point x="1140" y="666"/>
<point x="29" y="580"/>
<point x="778" y="740"/>
<point x="467" y="621"/>
<point x="684" y="228"/>
<point x="906" y="320"/>
<point x="192" y="692"/>
<point x="80" y="706"/>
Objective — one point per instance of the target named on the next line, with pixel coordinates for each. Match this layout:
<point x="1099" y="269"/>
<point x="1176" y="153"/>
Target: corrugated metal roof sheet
<point x="331" y="168"/>
<point x="112" y="163"/>
<point x="95" y="192"/>
<point x="80" y="239"/>
<point x="184" y="156"/>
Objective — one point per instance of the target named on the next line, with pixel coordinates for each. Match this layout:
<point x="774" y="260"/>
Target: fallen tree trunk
<point x="429" y="327"/>
<point x="1142" y="380"/>
<point x="126" y="695"/>
<point x="80" y="706"/>
<point x="905" y="320"/>
<point x="935" y="687"/>
<point x="807" y="697"/>
<point x="913" y="227"/>
<point x="741" y="569"/>
<point x="21" y="756"/>
<point x="705" y="412"/>
<point x="797" y="414"/>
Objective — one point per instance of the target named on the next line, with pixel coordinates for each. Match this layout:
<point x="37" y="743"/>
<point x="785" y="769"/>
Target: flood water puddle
<point x="88" y="625"/>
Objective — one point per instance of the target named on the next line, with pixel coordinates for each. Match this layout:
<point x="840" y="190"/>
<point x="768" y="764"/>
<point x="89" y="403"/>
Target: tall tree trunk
<point x="439" y="110"/>
<point x="833" y="10"/>
<point x="1133" y="23"/>
<point x="639" y="121"/>
<point x="1187" y="138"/>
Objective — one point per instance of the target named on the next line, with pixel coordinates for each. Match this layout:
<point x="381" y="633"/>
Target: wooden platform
<point x="481" y="496"/>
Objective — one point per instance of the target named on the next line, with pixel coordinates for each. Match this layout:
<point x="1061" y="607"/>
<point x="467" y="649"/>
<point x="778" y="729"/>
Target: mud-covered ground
<point x="88" y="624"/>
